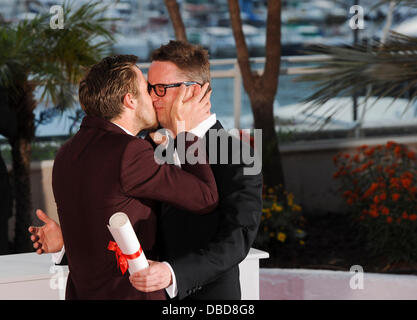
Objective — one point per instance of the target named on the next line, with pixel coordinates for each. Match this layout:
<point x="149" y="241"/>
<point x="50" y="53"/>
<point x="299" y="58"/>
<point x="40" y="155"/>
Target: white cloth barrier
<point x="29" y="276"/>
<point x="307" y="284"/>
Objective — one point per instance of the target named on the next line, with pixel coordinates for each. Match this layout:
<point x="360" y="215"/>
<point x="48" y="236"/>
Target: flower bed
<point x="379" y="185"/>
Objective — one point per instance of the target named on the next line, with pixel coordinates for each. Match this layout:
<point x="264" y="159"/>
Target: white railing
<point x="234" y="73"/>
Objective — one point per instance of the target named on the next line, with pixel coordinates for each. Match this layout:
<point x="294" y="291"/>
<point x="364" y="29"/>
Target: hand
<point x="156" y="277"/>
<point x="186" y="115"/>
<point x="48" y="238"/>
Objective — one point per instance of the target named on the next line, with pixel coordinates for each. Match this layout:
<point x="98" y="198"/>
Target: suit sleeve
<point x="239" y="210"/>
<point x="192" y="188"/>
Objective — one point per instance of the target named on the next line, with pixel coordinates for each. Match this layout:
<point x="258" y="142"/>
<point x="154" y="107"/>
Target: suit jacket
<point x="204" y="251"/>
<point x="103" y="170"/>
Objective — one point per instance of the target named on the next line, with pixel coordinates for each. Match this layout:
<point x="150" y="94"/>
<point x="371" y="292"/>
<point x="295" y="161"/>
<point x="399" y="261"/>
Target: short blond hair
<point x="105" y="85"/>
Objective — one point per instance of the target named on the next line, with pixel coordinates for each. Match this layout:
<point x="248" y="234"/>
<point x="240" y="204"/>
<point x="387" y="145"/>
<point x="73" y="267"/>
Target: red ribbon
<point x="122" y="258"/>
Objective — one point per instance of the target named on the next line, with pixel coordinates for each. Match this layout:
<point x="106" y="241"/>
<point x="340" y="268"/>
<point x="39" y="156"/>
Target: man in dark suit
<point x="105" y="168"/>
<point x="203" y="252"/>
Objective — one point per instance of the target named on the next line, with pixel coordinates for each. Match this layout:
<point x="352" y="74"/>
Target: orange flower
<point x="383" y="197"/>
<point x="406" y="182"/>
<point x="356" y="158"/>
<point x="363" y="147"/>
<point x="389" y="171"/>
<point x="412" y="217"/>
<point x="385" y="211"/>
<point x="397" y="150"/>
<point x="407" y="175"/>
<point x="389" y="219"/>
<point x="390" y="144"/>
<point x="373" y="213"/>
<point x="395" y="196"/>
<point x="336" y="157"/>
<point x="370" y="191"/>
<point x="404" y="215"/>
<point x="411" y="155"/>
<point x="376" y="199"/>
<point x="394" y="182"/>
<point x="369" y="152"/>
<point x="347" y="193"/>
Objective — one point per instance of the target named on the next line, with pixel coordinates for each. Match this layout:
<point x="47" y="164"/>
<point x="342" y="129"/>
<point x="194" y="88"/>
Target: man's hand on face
<point x="156" y="277"/>
<point x="48" y="238"/>
<point x="187" y="113"/>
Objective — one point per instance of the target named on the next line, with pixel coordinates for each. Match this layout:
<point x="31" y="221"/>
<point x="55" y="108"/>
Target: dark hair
<point x="103" y="88"/>
<point x="192" y="60"/>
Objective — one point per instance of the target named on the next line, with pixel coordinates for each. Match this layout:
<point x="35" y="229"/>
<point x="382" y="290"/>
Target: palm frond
<point x="61" y="60"/>
<point x="406" y="3"/>
<point x="54" y="59"/>
<point x="388" y="70"/>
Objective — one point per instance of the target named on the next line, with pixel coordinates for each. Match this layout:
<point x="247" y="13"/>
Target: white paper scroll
<point x="125" y="237"/>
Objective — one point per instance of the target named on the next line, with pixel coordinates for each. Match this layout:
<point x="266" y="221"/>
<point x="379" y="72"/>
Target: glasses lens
<point x="160" y="90"/>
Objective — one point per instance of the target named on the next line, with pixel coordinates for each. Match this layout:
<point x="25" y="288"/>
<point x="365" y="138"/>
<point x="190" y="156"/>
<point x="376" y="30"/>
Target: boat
<point x="407" y="27"/>
<point x="373" y="113"/>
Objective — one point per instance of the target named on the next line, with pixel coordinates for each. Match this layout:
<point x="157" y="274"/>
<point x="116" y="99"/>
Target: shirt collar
<point x="201" y="129"/>
<point x="124" y="129"/>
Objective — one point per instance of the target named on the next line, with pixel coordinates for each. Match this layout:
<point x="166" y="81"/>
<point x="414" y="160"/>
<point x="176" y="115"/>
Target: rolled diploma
<point x="125" y="237"/>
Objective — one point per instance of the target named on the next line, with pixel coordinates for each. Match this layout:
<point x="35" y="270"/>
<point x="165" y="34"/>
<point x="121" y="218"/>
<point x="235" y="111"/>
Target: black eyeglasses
<point x="161" y="89"/>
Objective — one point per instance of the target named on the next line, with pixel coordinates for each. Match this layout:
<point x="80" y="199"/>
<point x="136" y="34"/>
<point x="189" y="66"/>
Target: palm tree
<point x="262" y="89"/>
<point x="177" y="23"/>
<point x="35" y="56"/>
<point x="385" y="69"/>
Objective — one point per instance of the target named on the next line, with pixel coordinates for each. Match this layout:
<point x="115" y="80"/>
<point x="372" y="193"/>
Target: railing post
<point x="237" y="93"/>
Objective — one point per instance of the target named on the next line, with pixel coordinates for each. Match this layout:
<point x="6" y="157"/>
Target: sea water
<point x="222" y="104"/>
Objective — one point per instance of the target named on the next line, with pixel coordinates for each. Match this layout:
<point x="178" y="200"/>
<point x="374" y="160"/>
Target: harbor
<point x="141" y="26"/>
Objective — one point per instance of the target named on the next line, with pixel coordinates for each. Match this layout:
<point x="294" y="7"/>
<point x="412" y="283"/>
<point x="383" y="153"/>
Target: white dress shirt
<point x="199" y="131"/>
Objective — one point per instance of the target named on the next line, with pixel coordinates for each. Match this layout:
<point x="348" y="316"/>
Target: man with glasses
<point x="201" y="254"/>
<point x="204" y="252"/>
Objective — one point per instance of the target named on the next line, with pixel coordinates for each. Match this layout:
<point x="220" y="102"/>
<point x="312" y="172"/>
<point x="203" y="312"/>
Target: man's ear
<point x="193" y="90"/>
<point x="129" y="101"/>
